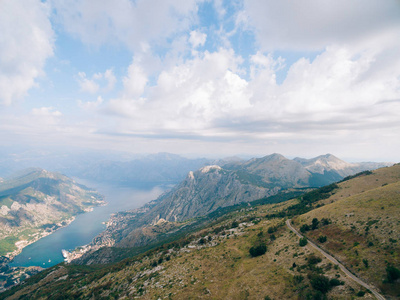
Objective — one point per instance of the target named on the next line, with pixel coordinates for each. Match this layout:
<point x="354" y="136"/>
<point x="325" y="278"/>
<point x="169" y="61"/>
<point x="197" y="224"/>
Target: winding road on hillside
<point x="336" y="262"/>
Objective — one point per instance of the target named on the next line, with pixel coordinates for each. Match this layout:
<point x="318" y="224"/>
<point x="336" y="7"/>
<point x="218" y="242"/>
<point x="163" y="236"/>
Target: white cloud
<point x="92" y="86"/>
<point x="46" y="112"/>
<point x="333" y="96"/>
<point x="45" y="116"/>
<point x="87" y="85"/>
<point x="111" y="79"/>
<point x="314" y="24"/>
<point x="135" y="82"/>
<point x="26" y="41"/>
<point x="131" y="23"/>
<point x="197" y="38"/>
<point x="91" y="105"/>
<point x="219" y="7"/>
<point x="188" y="96"/>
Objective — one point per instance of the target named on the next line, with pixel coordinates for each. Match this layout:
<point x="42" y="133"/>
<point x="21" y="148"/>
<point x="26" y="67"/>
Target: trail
<point x="336" y="262"/>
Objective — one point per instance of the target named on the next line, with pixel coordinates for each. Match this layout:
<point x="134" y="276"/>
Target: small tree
<point x="303" y="241"/>
<point x="392" y="273"/>
<point x="304" y="228"/>
<point x="365" y="262"/>
<point x="314" y="224"/>
<point x="322" y="239"/>
<point x="258" y="250"/>
<point x="320" y="283"/>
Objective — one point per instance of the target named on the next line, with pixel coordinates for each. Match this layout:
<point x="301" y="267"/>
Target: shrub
<point x="360" y="294"/>
<point x="258" y="250"/>
<point x="320" y="283"/>
<point x="298" y="278"/>
<point x="304" y="228"/>
<point x="325" y="221"/>
<point x="322" y="239"/>
<point x="314" y="224"/>
<point x="234" y="224"/>
<point x="392" y="273"/>
<point x="313" y="260"/>
<point x="303" y="242"/>
<point x="272" y="229"/>
<point x="365" y="262"/>
<point x="335" y="282"/>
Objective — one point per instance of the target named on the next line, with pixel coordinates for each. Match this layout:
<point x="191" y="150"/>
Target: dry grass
<point x="365" y="229"/>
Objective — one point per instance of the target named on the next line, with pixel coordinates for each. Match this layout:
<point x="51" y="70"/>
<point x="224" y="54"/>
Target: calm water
<point x="47" y="251"/>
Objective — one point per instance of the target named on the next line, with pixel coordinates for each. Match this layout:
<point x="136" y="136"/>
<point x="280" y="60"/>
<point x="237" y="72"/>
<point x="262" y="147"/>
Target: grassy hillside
<point x="364" y="226"/>
<point x="214" y="262"/>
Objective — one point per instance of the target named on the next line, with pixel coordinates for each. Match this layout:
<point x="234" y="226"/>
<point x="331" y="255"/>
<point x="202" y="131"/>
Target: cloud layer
<point x="26" y="41"/>
<point x="270" y="76"/>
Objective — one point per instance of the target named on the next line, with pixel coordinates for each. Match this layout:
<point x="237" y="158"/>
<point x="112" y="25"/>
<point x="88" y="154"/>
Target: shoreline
<point x="21" y="244"/>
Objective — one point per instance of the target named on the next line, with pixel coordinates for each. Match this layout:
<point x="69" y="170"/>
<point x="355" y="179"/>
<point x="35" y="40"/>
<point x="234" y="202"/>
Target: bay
<point x="46" y="252"/>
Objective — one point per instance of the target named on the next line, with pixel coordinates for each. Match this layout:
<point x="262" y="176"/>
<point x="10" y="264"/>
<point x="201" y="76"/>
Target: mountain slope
<point x="35" y="202"/>
<point x="328" y="168"/>
<point x="364" y="228"/>
<point x="209" y="189"/>
<point x="277" y="170"/>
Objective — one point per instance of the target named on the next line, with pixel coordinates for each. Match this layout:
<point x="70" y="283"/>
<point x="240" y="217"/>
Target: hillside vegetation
<point x="364" y="225"/>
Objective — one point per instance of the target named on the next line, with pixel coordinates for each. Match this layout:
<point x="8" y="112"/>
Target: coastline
<point x="21" y="244"/>
<point x="41" y="233"/>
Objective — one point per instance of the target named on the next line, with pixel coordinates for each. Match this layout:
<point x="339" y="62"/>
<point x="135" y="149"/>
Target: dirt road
<point x="335" y="261"/>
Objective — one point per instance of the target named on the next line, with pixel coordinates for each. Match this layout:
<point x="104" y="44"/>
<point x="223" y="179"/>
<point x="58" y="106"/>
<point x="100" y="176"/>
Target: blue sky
<point x="209" y="78"/>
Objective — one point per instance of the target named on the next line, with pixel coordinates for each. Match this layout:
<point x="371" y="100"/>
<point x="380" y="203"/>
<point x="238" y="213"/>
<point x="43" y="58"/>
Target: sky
<point x="211" y="78"/>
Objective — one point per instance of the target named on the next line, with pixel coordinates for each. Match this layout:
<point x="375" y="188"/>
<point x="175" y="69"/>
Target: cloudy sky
<point x="300" y="78"/>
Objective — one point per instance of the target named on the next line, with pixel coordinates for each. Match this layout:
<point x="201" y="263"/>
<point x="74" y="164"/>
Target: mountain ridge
<point x="213" y="187"/>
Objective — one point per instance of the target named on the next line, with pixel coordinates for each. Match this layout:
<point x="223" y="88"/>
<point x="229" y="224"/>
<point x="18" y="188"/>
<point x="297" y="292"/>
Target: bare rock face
<point x="206" y="190"/>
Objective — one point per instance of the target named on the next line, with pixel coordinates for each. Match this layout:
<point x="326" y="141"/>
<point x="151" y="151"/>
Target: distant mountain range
<point x="111" y="168"/>
<point x="161" y="167"/>
<point x="126" y="169"/>
<point x="35" y="202"/>
<point x="232" y="182"/>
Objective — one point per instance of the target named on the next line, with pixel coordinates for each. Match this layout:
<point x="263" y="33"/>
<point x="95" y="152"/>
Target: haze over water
<point x="47" y="251"/>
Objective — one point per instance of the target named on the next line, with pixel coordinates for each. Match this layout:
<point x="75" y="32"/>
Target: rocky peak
<point x="210" y="168"/>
